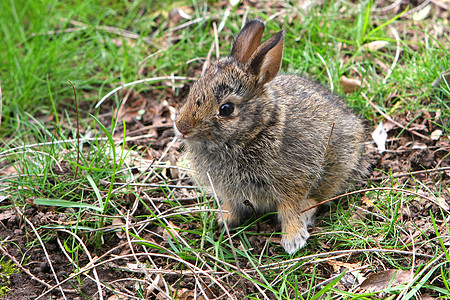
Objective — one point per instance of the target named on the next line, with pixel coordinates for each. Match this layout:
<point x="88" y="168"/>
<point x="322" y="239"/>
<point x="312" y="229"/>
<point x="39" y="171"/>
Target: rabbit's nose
<point x="183" y="127"/>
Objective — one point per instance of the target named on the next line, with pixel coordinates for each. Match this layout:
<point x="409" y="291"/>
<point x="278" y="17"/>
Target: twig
<point x="91" y="261"/>
<point x="392" y="120"/>
<point x="225" y="225"/>
<point x="119" y="111"/>
<point x="389" y="7"/>
<point x="78" y="130"/>
<point x="255" y="215"/>
<point x="216" y="40"/>
<point x="46" y="255"/>
<point x="142" y="81"/>
<point x="27" y="151"/>
<point x="416" y="9"/>
<point x="328" y="71"/>
<point x="208" y="59"/>
<point x="440" y="4"/>
<point x="26" y="271"/>
<point x="175" y="232"/>
<point x="277" y="265"/>
<point x="189" y="23"/>
<point x="404" y="174"/>
<point x="378" y="189"/>
<point x="193" y="269"/>
<point x="419" y="275"/>
<point x="397" y="54"/>
<point x="110" y="29"/>
<point x="51" y="143"/>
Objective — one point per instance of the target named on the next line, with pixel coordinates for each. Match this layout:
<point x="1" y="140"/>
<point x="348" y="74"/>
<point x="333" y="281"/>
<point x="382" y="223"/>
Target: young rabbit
<point x="280" y="141"/>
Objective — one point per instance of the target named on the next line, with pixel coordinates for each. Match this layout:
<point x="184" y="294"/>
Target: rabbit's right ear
<point x="247" y="41"/>
<point x="265" y="62"/>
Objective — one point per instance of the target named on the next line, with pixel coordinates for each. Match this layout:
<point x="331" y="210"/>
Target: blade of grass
<point x="65" y="203"/>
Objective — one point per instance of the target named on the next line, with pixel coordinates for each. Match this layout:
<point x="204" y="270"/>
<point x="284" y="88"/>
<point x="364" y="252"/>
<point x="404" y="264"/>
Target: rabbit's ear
<point x="247" y="41"/>
<point x="266" y="61"/>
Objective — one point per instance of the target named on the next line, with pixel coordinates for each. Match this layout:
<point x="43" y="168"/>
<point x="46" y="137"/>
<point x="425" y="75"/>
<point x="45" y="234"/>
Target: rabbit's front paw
<point x="232" y="219"/>
<point x="293" y="241"/>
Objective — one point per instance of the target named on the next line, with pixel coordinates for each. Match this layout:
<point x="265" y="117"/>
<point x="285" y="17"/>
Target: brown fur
<point x="272" y="149"/>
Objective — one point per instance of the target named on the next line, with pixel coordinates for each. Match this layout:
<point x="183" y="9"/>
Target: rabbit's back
<point x="322" y="138"/>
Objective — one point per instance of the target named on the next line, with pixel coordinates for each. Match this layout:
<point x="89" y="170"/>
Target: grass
<point x="123" y="196"/>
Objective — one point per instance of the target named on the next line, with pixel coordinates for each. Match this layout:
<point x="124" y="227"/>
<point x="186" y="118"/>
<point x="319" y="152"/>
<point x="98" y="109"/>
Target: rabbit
<point x="280" y="141"/>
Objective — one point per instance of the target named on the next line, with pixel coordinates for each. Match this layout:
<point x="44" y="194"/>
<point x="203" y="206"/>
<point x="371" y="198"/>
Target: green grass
<point x="109" y="201"/>
<point x="7" y="269"/>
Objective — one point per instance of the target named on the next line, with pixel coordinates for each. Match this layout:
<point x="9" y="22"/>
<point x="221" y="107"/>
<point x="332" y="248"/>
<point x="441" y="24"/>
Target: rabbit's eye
<point x="226" y="109"/>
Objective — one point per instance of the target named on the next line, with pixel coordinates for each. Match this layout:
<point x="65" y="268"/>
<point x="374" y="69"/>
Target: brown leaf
<point x="354" y="269"/>
<point x="7" y="214"/>
<point x="119" y="222"/>
<point x="435" y="135"/>
<point x="367" y="202"/>
<point x="381" y="280"/>
<point x="350" y="85"/>
<point x="358" y="215"/>
<point x="186" y="294"/>
<point x="171" y="231"/>
<point x="8" y="171"/>
<point x="156" y="284"/>
<point x="422" y="14"/>
<point x="375" y="45"/>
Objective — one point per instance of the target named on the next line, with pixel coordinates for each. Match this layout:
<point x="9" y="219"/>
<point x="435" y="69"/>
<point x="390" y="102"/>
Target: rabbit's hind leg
<point x="295" y="224"/>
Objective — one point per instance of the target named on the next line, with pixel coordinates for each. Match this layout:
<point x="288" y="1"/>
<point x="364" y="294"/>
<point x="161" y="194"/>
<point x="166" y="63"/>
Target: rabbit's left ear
<point x="265" y="62"/>
<point x="247" y="41"/>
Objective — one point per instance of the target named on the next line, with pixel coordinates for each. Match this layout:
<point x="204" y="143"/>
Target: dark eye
<point x="226" y="109"/>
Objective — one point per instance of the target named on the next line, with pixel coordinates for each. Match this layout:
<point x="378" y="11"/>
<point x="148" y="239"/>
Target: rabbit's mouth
<point x="187" y="136"/>
<point x="178" y="134"/>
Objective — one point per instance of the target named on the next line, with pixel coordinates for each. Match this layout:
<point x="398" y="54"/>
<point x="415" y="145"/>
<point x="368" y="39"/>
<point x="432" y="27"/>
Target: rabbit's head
<point x="229" y="101"/>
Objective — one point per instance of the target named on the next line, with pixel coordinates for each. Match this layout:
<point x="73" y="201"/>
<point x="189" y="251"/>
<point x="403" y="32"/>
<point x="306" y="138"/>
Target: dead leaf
<point x="367" y="202"/>
<point x="422" y="14"/>
<point x="358" y="215"/>
<point x="171" y="231"/>
<point x="435" y="135"/>
<point x="9" y="171"/>
<point x="380" y="281"/>
<point x="234" y="3"/>
<point x="380" y="135"/>
<point x="350" y="85"/>
<point x="354" y="269"/>
<point x="156" y="284"/>
<point x="186" y="294"/>
<point x="389" y="125"/>
<point x="375" y="45"/>
<point x="418" y="145"/>
<point x="427" y="297"/>
<point x="179" y="13"/>
<point x="443" y="203"/>
<point x="438" y="114"/>
<point x="118" y="222"/>
<point x="7" y="214"/>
